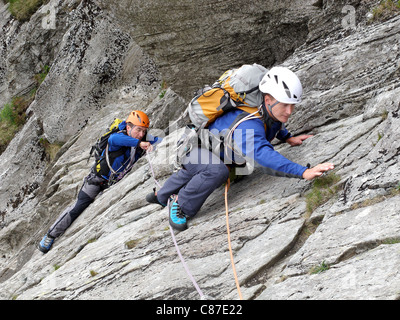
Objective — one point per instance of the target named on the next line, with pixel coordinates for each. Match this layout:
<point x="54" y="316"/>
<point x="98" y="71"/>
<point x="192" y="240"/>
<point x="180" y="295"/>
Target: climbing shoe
<point x="152" y="198"/>
<point x="46" y="243"/>
<point x="177" y="218"/>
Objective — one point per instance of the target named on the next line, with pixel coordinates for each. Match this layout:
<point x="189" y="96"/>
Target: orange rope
<point x="229" y="238"/>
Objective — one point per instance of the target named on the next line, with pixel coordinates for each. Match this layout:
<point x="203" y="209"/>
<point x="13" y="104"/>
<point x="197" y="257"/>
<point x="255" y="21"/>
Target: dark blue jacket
<point x="119" y="140"/>
<point x="255" y="142"/>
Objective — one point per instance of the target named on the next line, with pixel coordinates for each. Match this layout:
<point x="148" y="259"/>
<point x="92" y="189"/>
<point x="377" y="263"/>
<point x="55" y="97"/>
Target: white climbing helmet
<point x="282" y="84"/>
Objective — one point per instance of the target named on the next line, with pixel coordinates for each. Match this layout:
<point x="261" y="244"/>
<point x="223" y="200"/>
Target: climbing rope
<point x="202" y="296"/>
<point x="229" y="238"/>
<point x="228" y="144"/>
<point x="151" y="168"/>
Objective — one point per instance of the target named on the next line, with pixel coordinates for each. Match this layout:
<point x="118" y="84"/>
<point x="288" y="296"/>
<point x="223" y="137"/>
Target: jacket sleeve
<point x="283" y="134"/>
<point x="119" y="139"/>
<point x="154" y="140"/>
<point x="254" y="145"/>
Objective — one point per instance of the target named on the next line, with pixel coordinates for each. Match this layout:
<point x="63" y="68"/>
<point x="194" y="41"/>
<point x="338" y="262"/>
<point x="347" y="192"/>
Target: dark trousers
<point x="92" y="186"/>
<point x="201" y="174"/>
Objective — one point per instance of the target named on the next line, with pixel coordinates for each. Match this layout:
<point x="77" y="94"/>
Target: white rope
<point x="202" y="296"/>
<point x="229" y="136"/>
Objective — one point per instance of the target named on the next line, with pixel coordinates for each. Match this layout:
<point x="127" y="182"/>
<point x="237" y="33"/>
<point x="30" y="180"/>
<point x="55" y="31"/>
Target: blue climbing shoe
<point x="177" y="218"/>
<point x="46" y="243"/>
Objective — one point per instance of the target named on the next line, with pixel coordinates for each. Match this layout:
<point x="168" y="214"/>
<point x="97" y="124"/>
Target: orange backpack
<point x="236" y="88"/>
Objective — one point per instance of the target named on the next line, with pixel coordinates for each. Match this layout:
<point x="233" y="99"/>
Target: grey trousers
<point x="92" y="186"/>
<point x="201" y="174"/>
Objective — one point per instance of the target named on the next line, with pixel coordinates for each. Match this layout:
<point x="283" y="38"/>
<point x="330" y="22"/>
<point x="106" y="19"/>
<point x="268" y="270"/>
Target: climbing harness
<point x="202" y="296"/>
<point x="116" y="175"/>
<point x="229" y="238"/>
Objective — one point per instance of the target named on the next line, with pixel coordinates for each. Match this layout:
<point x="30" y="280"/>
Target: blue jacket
<point x="119" y="140"/>
<point x="255" y="142"/>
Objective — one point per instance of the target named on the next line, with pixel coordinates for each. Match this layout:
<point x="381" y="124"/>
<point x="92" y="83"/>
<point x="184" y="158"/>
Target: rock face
<point x="194" y="42"/>
<point x="109" y="57"/>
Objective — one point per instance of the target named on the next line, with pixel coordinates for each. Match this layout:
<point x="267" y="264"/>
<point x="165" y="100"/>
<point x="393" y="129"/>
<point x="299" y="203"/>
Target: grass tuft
<point x="385" y="10"/>
<point x="321" y="268"/>
<point x="22" y="10"/>
<point x="13" y="115"/>
<point x="323" y="189"/>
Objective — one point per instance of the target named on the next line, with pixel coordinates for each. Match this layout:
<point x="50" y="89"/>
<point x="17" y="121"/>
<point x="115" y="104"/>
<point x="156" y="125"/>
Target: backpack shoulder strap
<point x="247" y="111"/>
<point x="116" y="154"/>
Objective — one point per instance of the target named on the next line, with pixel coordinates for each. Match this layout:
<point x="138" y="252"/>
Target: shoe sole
<point x="178" y="227"/>
<point x="43" y="249"/>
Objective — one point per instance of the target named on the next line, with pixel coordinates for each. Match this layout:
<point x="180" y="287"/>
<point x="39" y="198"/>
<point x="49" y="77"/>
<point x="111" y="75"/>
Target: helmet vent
<point x="286" y="89"/>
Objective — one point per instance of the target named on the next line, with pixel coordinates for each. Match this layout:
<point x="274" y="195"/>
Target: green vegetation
<point x="22" y="10"/>
<point x="163" y="89"/>
<point x="391" y="241"/>
<point x="42" y="75"/>
<point x="132" y="243"/>
<point x="380" y="135"/>
<point x="385" y="10"/>
<point x="93" y="273"/>
<point x="321" y="268"/>
<point x="384" y="114"/>
<point x="50" y="149"/>
<point x="13" y="114"/>
<point x="12" y="118"/>
<point x="324" y="188"/>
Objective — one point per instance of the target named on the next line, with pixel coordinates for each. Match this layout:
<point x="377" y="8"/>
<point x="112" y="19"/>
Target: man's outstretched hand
<point x="296" y="141"/>
<point x="318" y="170"/>
<point x="146" y="146"/>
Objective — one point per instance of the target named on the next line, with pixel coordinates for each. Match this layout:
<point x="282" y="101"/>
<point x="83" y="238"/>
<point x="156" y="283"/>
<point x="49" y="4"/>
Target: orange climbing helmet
<point x="138" y="118"/>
